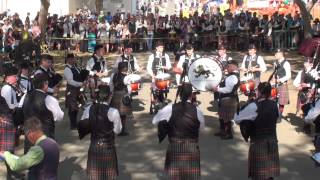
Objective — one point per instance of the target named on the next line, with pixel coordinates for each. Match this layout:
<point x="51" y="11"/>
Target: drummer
<point x="228" y="100"/>
<point x="253" y="65"/>
<point x="129" y="59"/>
<point x="158" y="62"/>
<point x="184" y="63"/>
<point x="282" y="76"/>
<point x="223" y="58"/>
<point x="97" y="66"/>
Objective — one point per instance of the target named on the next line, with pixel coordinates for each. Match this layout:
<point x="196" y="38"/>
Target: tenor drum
<point x="205" y="73"/>
<point x="162" y="81"/>
<point x="247" y="85"/>
<point x="134" y="81"/>
<point x="274" y="92"/>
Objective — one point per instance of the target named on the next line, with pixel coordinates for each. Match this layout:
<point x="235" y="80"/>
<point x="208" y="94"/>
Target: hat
<point x="221" y="47"/>
<point x="98" y="46"/>
<point x="127" y="45"/>
<point x="252" y="46"/>
<point x="189" y="46"/>
<point x="10" y="71"/>
<point x="234" y="62"/>
<point x="25" y="65"/>
<point x="70" y="56"/>
<point x="159" y="43"/>
<point x="46" y="57"/>
<point x="279" y="50"/>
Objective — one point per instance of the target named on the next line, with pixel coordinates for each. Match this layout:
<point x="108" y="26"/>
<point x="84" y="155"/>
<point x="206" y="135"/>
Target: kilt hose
<point x="116" y="102"/>
<point x="283" y="94"/>
<point x="263" y="160"/>
<point x="227" y="108"/>
<point x="72" y="95"/>
<point x="102" y="161"/>
<point x="183" y="160"/>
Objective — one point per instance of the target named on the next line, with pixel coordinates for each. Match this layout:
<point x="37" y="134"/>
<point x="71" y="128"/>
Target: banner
<point x="257" y="4"/>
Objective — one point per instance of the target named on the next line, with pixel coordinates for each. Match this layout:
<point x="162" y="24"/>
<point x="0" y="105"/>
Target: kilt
<point x="227" y="108"/>
<point x="7" y="136"/>
<point x="102" y="161"/>
<point x="72" y="95"/>
<point x="116" y="102"/>
<point x="183" y="160"/>
<point x="263" y="159"/>
<point x="283" y="94"/>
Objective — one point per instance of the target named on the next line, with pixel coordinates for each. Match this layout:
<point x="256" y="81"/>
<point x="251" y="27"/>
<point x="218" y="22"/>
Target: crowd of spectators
<point x="82" y="30"/>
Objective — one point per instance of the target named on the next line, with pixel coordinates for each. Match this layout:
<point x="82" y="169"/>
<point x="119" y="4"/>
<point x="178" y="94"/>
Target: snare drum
<point x="106" y="80"/>
<point x="162" y="81"/>
<point x="247" y="86"/>
<point x="134" y="81"/>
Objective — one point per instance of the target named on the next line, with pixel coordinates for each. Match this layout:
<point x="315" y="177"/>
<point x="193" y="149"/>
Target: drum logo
<point x="202" y="70"/>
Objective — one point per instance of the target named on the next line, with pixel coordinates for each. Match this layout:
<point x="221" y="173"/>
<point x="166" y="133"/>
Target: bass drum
<point x="205" y="73"/>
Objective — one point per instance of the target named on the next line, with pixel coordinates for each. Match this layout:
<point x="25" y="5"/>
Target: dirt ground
<point x="141" y="157"/>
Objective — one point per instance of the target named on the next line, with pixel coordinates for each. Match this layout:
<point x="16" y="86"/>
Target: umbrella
<point x="309" y="46"/>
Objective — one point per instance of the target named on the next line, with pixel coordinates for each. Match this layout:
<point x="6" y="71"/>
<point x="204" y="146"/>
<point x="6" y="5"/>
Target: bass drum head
<point x="205" y="73"/>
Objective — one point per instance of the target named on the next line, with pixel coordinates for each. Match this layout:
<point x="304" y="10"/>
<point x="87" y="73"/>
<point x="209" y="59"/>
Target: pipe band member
<point x="261" y="117"/>
<point x="182" y="123"/>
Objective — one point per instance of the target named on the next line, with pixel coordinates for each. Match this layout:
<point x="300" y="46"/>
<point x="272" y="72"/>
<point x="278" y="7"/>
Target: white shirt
<point x="297" y="80"/>
<point x="25" y="83"/>
<point x="287" y="68"/>
<point x="113" y="116"/>
<point x="150" y="61"/>
<point x="68" y="75"/>
<point x="51" y="103"/>
<point x="230" y="82"/>
<point x="260" y="62"/>
<point x="181" y="62"/>
<point x="136" y="65"/>
<point x="165" y="115"/>
<point x="248" y="113"/>
<point x="90" y="65"/>
<point x="313" y="113"/>
<point x="9" y="94"/>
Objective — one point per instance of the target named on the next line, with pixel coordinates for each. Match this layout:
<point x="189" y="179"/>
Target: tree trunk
<point x="43" y="16"/>
<point x="99" y="6"/>
<point x="306" y="16"/>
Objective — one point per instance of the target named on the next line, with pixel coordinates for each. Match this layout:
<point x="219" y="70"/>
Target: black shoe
<point x="123" y="133"/>
<point x="220" y="133"/>
<point x="226" y="136"/>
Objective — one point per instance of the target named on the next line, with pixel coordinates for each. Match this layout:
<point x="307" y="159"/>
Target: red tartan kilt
<point x="283" y="93"/>
<point x="7" y="136"/>
<point x="117" y="103"/>
<point x="102" y="161"/>
<point x="264" y="160"/>
<point x="183" y="160"/>
<point x="227" y="108"/>
<point x="72" y="95"/>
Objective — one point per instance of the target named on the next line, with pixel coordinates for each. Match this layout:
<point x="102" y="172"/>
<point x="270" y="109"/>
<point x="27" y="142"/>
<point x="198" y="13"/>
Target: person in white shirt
<point x="159" y="62"/>
<point x="75" y="81"/>
<point x="128" y="59"/>
<point x="41" y="105"/>
<point x="10" y="90"/>
<point x="103" y="122"/>
<point x="282" y="76"/>
<point x="184" y="63"/>
<point x="97" y="67"/>
<point x="258" y="121"/>
<point x="253" y="65"/>
<point x="228" y="100"/>
<point x="181" y="122"/>
<point x="25" y="82"/>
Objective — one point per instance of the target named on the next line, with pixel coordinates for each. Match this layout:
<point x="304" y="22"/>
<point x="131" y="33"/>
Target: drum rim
<point x="213" y="58"/>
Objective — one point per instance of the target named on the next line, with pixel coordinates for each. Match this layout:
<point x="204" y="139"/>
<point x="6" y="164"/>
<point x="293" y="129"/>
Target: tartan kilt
<point x="263" y="160"/>
<point x="227" y="108"/>
<point x="116" y="102"/>
<point x="102" y="161"/>
<point x="183" y="160"/>
<point x="72" y="95"/>
<point x="7" y="136"/>
<point x="283" y="94"/>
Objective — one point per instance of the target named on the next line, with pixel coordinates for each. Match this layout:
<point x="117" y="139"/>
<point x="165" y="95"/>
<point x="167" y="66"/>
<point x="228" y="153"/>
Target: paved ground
<point x="141" y="157"/>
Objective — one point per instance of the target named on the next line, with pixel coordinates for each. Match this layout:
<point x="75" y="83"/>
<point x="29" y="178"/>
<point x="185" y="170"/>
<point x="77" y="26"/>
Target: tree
<point x="305" y="10"/>
<point x="43" y="16"/>
<point x="99" y="5"/>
